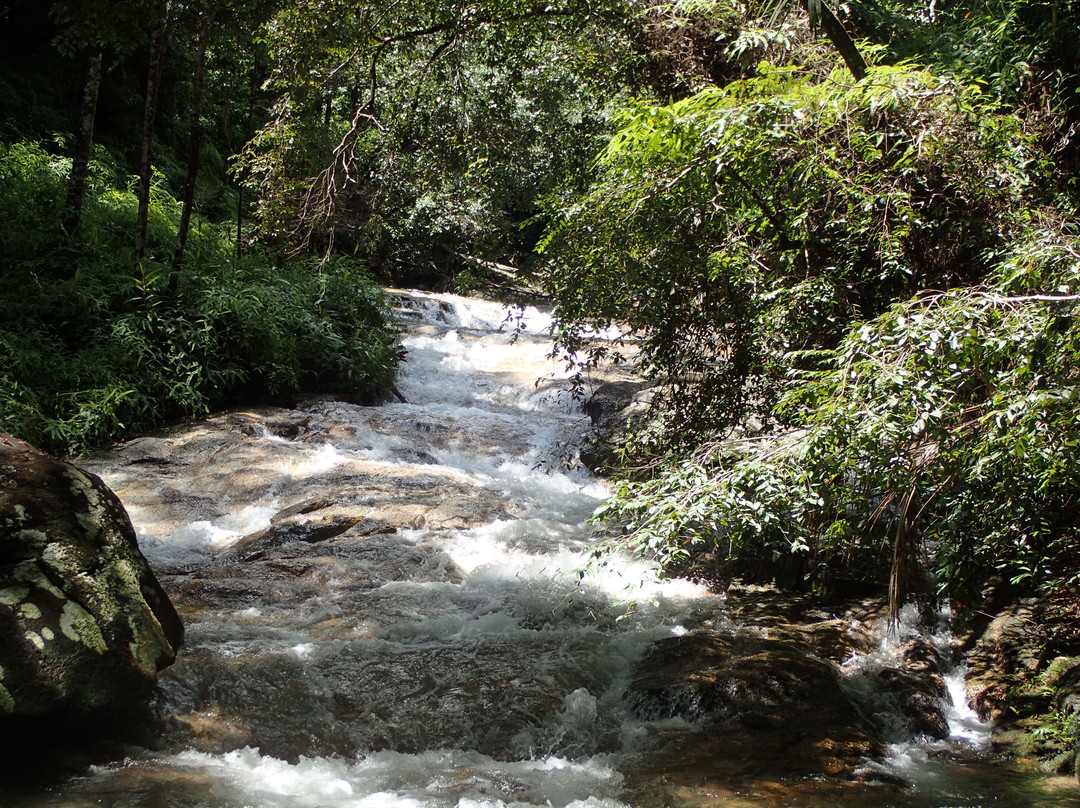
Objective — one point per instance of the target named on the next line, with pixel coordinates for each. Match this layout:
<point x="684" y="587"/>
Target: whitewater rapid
<point x="400" y="607"/>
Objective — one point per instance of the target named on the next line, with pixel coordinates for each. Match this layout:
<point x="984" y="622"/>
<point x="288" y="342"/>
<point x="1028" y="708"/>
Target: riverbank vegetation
<point x="844" y="244"/>
<point x="858" y="299"/>
<point x="96" y="346"/>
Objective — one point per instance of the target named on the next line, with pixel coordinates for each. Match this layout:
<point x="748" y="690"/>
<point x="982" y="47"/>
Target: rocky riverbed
<point x="396" y="606"/>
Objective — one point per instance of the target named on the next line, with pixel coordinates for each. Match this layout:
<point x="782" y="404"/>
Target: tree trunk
<point x="196" y="139"/>
<point x="153" y="82"/>
<point x="252" y="87"/>
<point x="820" y="13"/>
<point x="80" y="164"/>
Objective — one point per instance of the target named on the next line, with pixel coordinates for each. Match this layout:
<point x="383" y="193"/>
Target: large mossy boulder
<point x="84" y="625"/>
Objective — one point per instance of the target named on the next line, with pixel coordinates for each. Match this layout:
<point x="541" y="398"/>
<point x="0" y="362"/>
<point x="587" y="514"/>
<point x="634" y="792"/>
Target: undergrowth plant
<point x="95" y="346"/>
<point x="943" y="432"/>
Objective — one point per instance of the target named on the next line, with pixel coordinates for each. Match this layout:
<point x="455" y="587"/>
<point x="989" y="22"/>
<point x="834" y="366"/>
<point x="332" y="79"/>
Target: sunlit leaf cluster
<point x="736" y="228"/>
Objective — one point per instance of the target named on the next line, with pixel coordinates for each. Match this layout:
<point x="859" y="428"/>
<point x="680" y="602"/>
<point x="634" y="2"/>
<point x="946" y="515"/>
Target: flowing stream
<point x="394" y="606"/>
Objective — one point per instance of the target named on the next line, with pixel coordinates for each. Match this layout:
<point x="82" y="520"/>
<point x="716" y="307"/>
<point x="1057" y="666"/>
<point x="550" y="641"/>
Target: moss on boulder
<point x="84" y="624"/>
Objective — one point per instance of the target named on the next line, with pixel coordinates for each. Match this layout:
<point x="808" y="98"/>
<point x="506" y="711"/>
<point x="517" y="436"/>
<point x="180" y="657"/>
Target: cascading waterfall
<point x="393" y="606"/>
<point x="909" y="754"/>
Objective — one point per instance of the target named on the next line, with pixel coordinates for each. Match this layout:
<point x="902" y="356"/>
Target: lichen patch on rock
<point x="84" y="624"/>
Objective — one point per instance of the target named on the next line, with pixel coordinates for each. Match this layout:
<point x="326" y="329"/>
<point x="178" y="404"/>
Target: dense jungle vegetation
<point x="842" y="241"/>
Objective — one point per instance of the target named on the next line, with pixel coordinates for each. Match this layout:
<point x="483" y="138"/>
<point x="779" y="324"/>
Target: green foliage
<point x="1060" y="730"/>
<point x="968" y="400"/>
<point x="1010" y="46"/>
<point x="1021" y="52"/>
<point x="736" y="228"/>
<point x="691" y="44"/>
<point x="422" y="139"/>
<point x="871" y="270"/>
<point x="951" y="421"/>
<point x="91" y="24"/>
<point x="93" y="350"/>
<point x="858" y="270"/>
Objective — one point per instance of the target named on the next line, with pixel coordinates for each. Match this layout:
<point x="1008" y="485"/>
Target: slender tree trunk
<point x="250" y="125"/>
<point x="80" y="164"/>
<point x="153" y="82"/>
<point x="226" y="115"/>
<point x="196" y="139"/>
<point x="821" y="14"/>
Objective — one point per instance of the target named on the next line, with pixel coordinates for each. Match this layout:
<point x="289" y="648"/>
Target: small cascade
<point x="911" y="685"/>
<point x="916" y="694"/>
<point x="965" y="726"/>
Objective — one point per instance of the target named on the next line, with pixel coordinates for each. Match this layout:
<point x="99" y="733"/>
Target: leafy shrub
<point x="95" y="346"/>
<point x="1011" y="46"/>
<point x="744" y="224"/>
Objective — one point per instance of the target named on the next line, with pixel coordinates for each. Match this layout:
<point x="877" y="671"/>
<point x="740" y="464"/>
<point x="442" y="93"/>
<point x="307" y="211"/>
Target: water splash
<point x="964" y="723"/>
<point x="438" y="779"/>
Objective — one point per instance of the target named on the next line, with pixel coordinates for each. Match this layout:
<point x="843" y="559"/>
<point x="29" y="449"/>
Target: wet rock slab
<point x="762" y="705"/>
<point x="375" y="696"/>
<point x="205" y="473"/>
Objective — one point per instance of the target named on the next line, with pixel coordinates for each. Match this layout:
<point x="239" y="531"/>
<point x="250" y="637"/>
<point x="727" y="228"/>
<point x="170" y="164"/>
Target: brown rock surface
<point x="764" y="705"/>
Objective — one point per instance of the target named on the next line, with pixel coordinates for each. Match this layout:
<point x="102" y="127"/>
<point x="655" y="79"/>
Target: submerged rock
<point x="762" y="705"/>
<point x="84" y="624"/>
<point x="612" y="408"/>
<point x="918" y="700"/>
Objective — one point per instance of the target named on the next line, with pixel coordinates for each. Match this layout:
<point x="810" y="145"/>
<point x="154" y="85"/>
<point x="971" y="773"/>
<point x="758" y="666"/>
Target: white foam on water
<point x="472" y="373"/>
<point x="303" y="650"/>
<point x="321" y="460"/>
<point x="964" y="723"/>
<point x="467" y="357"/>
<point x="510" y="544"/>
<point x="907" y="760"/>
<point x="550" y="553"/>
<point x="197" y="540"/>
<point x="893" y="637"/>
<point x="539" y="493"/>
<point x="519" y="594"/>
<point x="436" y="779"/>
<point x="473" y="313"/>
<point x="525" y="479"/>
<point x="509" y="365"/>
